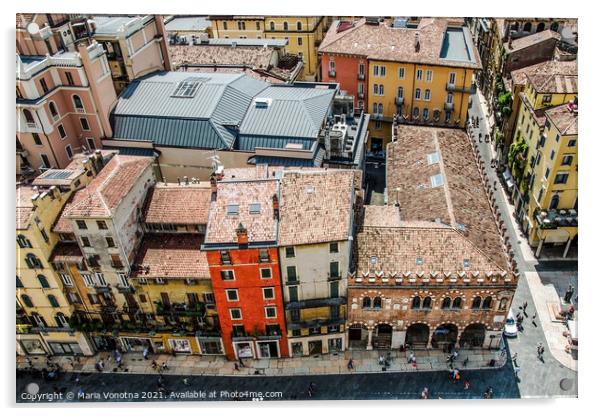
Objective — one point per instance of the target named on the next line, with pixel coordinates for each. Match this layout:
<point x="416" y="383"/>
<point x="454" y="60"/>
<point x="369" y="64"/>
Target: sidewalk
<point x="544" y="297"/>
<point x="364" y="362"/>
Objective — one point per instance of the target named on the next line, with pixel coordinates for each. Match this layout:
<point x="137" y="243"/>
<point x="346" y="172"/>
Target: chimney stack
<point x="213" y="182"/>
<point x="417" y="42"/>
<point x="241" y="235"/>
<point x="276" y="206"/>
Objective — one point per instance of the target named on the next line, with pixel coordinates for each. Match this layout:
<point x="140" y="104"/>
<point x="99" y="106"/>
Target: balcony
<point x="334" y="276"/>
<point x="108" y="308"/>
<point x="292" y="280"/>
<point x="398" y="100"/>
<point x="332" y="73"/>
<point x="377" y="116"/>
<point x="552" y="219"/>
<point x="457" y="88"/>
<point x="181" y="309"/>
<point x="448" y="106"/>
<point x="361" y="76"/>
<point x="125" y="289"/>
<point x="103" y="289"/>
<point x="131" y="309"/>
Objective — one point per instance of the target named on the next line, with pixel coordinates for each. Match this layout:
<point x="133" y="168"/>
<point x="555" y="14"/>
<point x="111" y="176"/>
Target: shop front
<point x="243" y="349"/>
<point x="210" y="345"/>
<point x="67" y="343"/>
<point x="138" y="344"/>
<point x="30" y="345"/>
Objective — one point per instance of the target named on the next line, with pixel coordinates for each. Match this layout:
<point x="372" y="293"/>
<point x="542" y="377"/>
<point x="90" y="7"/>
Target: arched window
<point x="380" y="108"/>
<point x="366" y="303"/>
<point x="541" y="27"/>
<point x="53" y="111"/>
<point x="53" y="302"/>
<point x="285" y="25"/>
<point x="299" y="28"/>
<point x="272" y="26"/>
<point x="457" y="303"/>
<point x="416" y="302"/>
<point x="555" y="201"/>
<point x="417" y="94"/>
<point x="514" y="26"/>
<point x="400" y="92"/>
<point x="28" y="117"/>
<point x="43" y="281"/>
<point x="527" y="27"/>
<point x="426" y="303"/>
<point x="23" y="241"/>
<point x="446" y="303"/>
<point x="77" y="103"/>
<point x="381" y="89"/>
<point x="33" y="262"/>
<point x="27" y="301"/>
<point x="487" y="302"/>
<point x="503" y="304"/>
<point x="377" y="303"/>
<point x="554" y="26"/>
<point x="476" y="302"/>
<point x="436" y="115"/>
<point x="416" y="112"/>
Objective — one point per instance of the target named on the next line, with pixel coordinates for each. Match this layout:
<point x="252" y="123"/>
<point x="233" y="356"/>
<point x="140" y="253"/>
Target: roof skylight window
<point x="436" y="180"/>
<point x="186" y="89"/>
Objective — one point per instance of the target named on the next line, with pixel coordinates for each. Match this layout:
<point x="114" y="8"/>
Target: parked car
<point x="511" y="328"/>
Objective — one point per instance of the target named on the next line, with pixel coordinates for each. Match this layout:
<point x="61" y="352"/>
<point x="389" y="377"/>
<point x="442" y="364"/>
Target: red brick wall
<point x="247" y="280"/>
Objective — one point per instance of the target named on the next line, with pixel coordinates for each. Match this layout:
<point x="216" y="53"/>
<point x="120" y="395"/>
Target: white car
<point x="511" y="329"/>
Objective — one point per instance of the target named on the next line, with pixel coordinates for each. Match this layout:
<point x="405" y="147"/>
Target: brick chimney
<point x="276" y="206"/>
<point x="213" y="182"/>
<point x="241" y="235"/>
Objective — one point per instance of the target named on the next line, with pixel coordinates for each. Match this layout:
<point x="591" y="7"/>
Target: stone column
<point x="566" y="249"/>
<point x="539" y="248"/>
<point x="369" y="346"/>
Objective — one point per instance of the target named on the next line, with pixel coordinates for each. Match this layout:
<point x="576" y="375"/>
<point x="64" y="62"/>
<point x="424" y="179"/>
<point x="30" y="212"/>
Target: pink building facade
<point x="63" y="99"/>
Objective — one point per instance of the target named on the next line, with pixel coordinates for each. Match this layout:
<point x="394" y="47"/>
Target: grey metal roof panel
<point x="170" y="132"/>
<point x="187" y="24"/>
<point x="293" y="112"/>
<point x="271" y="142"/>
<point x="133" y="151"/>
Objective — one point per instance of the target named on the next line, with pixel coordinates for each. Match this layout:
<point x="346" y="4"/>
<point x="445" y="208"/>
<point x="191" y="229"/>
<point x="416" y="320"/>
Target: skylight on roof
<point x="186" y="89"/>
<point x="432" y="158"/>
<point x="466" y="263"/>
<point x="232" y="209"/>
<point x="254" y="208"/>
<point x="436" y="180"/>
<point x="419" y="261"/>
<point x="372" y="259"/>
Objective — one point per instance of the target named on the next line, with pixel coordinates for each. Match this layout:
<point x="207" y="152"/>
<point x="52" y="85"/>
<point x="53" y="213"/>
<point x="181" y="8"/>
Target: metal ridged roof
<point x="147" y="111"/>
<point x="293" y="112"/>
<point x="251" y="142"/>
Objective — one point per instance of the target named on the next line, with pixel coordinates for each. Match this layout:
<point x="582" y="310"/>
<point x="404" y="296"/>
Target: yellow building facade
<point x="417" y="93"/>
<point x="543" y="162"/>
<point x="43" y="306"/>
<point x="303" y="33"/>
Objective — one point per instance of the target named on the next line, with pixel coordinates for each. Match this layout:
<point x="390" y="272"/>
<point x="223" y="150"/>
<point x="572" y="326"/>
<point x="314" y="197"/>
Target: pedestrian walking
<point x="514" y="357"/>
<point x="540" y="351"/>
<point x="411" y="357"/>
<point x="455" y="355"/>
<point x="525" y="306"/>
<point x="145" y="353"/>
<point x="29" y="362"/>
<point x="516" y="372"/>
<point x="98" y="366"/>
<point x="465" y="363"/>
<point x="240" y="362"/>
<point x="154" y="365"/>
<point x="164" y="366"/>
<point x="425" y="393"/>
<point x="381" y="360"/>
<point x="466" y="384"/>
<point x="236" y="367"/>
<point x="350" y="364"/>
<point x="185" y="381"/>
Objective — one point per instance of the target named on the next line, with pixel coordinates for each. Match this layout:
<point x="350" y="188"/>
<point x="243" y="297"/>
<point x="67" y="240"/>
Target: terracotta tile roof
<point x="565" y="121"/>
<point x="255" y="56"/>
<point x="316" y="207"/>
<point x="261" y="227"/>
<point x="63" y="224"/>
<point x="172" y="256"/>
<point x="24" y="206"/>
<point x="456" y="198"/>
<point x="419" y="249"/>
<point x="66" y="253"/>
<point x="105" y="192"/>
<point x="178" y="204"/>
<point x="531" y="40"/>
<point x="260" y="75"/>
<point x="555" y="83"/>
<point x="519" y="76"/>
<point x="382" y="42"/>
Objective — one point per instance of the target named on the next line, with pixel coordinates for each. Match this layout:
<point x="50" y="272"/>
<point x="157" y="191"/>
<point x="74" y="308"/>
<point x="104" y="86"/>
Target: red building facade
<point x="350" y="71"/>
<point x="241" y="245"/>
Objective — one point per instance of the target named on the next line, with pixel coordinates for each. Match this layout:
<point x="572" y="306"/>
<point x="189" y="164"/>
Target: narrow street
<point x="537" y="379"/>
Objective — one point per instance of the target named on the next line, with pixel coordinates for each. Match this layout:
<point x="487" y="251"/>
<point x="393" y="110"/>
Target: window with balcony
<point x="334" y="314"/>
<point x="295" y="315"/>
<point x="53" y="112"/>
<point x="555" y="201"/>
<point x="209" y="298"/>
<point x="77" y="104"/>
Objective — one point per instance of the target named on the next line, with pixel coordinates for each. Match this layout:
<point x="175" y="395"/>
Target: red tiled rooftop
<point x="565" y="121"/>
<point x="178" y="204"/>
<point x="460" y="202"/>
<point x="172" y="256"/>
<point x="24" y="206"/>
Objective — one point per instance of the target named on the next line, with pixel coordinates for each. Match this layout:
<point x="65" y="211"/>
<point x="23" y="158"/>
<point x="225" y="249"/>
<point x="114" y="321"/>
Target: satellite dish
<point x="33" y="28"/>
